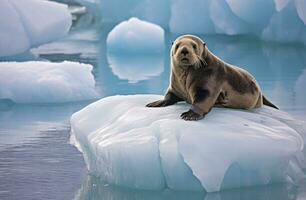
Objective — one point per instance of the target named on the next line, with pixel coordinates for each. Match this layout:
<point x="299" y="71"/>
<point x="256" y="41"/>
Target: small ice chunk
<point x="136" y="36"/>
<point x="126" y="143"/>
<point x="45" y="82"/>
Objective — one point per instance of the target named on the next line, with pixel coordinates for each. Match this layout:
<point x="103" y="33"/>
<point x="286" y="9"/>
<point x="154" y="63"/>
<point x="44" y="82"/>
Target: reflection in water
<point x="136" y="68"/>
<point x="286" y="64"/>
<point x="36" y="162"/>
<point x="24" y="123"/>
<point x="94" y="188"/>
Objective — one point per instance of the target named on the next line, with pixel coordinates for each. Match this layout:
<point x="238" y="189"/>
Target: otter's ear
<point x="172" y="43"/>
<point x="204" y="44"/>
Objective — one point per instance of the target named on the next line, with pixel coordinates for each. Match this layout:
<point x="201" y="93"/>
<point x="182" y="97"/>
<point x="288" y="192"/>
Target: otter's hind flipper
<point x="268" y="103"/>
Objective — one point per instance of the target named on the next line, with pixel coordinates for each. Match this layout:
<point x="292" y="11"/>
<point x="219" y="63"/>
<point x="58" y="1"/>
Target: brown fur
<point x="204" y="80"/>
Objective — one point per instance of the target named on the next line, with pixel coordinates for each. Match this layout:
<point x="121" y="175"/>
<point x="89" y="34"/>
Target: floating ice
<point x="44" y="82"/>
<point x="22" y="26"/>
<point x="128" y="144"/>
<point x="136" y="36"/>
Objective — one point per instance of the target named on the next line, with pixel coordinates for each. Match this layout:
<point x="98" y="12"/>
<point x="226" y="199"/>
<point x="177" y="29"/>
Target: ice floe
<point x="45" y="82"/>
<point x="125" y="143"/>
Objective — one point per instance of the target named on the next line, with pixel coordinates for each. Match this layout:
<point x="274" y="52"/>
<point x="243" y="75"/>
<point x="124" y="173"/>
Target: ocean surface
<point x="36" y="159"/>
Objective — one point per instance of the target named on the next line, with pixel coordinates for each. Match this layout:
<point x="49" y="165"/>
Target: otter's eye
<point x="194" y="46"/>
<point x="177" y="46"/>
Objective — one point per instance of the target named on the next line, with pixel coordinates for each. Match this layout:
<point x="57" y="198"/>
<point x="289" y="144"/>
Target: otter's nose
<point x="184" y="51"/>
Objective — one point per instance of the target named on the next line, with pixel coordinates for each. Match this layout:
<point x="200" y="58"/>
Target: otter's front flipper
<point x="190" y="115"/>
<point x="159" y="103"/>
<point x="170" y="99"/>
<point x="203" y="101"/>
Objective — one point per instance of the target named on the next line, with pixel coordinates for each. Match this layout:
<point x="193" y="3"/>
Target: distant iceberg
<point x="24" y="24"/>
<point x="45" y="82"/>
<point x="125" y="143"/>
<point x="272" y="20"/>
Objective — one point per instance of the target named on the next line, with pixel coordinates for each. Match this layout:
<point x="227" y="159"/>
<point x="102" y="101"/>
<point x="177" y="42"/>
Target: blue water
<point x="36" y="159"/>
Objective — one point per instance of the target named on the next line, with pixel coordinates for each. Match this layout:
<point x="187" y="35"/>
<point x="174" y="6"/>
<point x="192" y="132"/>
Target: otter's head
<point x="188" y="51"/>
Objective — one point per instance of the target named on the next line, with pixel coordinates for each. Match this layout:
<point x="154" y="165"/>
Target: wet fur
<point x="204" y="81"/>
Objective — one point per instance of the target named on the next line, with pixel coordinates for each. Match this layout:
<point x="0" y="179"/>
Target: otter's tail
<point x="268" y="103"/>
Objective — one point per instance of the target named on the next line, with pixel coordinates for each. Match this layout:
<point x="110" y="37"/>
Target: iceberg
<point x="277" y="21"/>
<point x="22" y="27"/>
<point x="286" y="26"/>
<point x="45" y="82"/>
<point x="136" y="36"/>
<point x="127" y="144"/>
